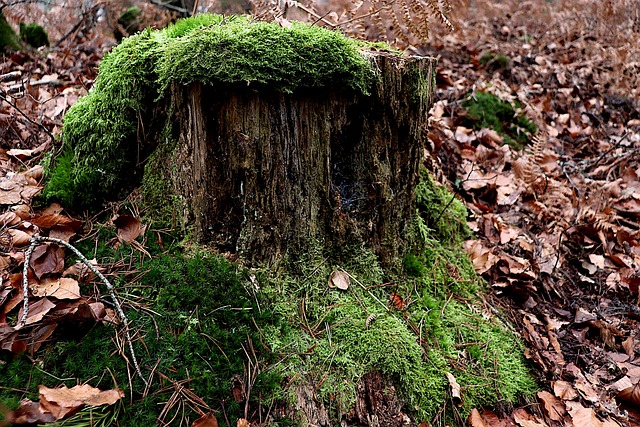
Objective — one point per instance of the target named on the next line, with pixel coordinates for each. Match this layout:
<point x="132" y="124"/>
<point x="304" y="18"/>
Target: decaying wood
<point x="262" y="172"/>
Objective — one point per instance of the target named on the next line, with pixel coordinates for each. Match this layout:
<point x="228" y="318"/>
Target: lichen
<point x="101" y="131"/>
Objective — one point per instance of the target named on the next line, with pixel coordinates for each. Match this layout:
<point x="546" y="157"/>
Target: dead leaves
<point x="59" y="403"/>
<point x="339" y="279"/>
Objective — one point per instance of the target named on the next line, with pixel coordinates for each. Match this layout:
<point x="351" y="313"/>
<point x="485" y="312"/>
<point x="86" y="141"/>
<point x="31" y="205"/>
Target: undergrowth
<point x="199" y="319"/>
<point x="102" y="140"/>
<point x="485" y="110"/>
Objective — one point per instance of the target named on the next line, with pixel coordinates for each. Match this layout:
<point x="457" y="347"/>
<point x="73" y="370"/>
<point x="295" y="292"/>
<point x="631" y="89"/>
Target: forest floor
<point x="557" y="221"/>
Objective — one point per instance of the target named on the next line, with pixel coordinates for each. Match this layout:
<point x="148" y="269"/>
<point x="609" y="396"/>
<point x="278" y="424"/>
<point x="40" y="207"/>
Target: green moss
<point x="494" y="61"/>
<point x="103" y="154"/>
<point x="203" y="315"/>
<point x="34" y="35"/>
<point x="303" y="332"/>
<point x="8" y="38"/>
<point x="485" y="110"/>
<point x="440" y="211"/>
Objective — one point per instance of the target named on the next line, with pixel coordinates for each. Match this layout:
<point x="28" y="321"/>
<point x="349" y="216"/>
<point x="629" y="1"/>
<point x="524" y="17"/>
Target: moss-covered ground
<point x="485" y="110"/>
<point x="201" y="318"/>
<point x="102" y="150"/>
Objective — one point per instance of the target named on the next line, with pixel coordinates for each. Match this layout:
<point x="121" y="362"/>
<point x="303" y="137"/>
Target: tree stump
<point x="262" y="172"/>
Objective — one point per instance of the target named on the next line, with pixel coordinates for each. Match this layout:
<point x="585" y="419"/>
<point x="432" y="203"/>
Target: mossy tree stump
<point x="262" y="171"/>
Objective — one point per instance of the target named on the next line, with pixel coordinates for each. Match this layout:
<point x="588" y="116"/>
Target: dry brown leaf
<point x="129" y="228"/>
<point x="454" y="388"/>
<point x="62" y="288"/>
<point x="19" y="237"/>
<point x="554" y="407"/>
<point x="207" y="420"/>
<point x="243" y="423"/>
<point x="629" y="346"/>
<point x="37" y="310"/>
<point x="10" y="192"/>
<point x="581" y="416"/>
<point x="525" y="419"/>
<point x="475" y="419"/>
<point x="39" y="335"/>
<point x="9" y="219"/>
<point x="80" y="395"/>
<point x="45" y="222"/>
<point x="339" y="279"/>
<point x="396" y="300"/>
<point x="630" y="395"/>
<point x="30" y="413"/>
<point x="62" y="232"/>
<point x="47" y="259"/>
<point x="564" y="390"/>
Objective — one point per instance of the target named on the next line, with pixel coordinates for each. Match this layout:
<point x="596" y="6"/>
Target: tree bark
<point x="264" y="172"/>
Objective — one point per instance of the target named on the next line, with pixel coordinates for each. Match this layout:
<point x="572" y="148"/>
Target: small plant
<point x="34" y="35"/>
<point x="494" y="61"/>
<point x="485" y="110"/>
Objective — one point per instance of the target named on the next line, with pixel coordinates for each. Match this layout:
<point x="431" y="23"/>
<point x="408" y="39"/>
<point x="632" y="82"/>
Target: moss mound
<point x="102" y="156"/>
<point x="485" y="110"/>
<point x="34" y="35"/>
<point x="413" y="323"/>
<point x="9" y="40"/>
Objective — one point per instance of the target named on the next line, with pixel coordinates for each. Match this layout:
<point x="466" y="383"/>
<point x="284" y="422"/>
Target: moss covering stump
<point x="298" y="152"/>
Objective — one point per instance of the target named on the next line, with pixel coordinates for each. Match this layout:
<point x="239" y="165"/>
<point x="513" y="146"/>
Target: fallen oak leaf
<point x="207" y="420"/>
<point x="553" y="406"/>
<point x="129" y="228"/>
<point x="46" y="259"/>
<point x="339" y="279"/>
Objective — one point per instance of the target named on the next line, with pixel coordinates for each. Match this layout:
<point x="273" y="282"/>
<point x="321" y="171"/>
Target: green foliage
<point x="8" y="37"/>
<point x="485" y="110"/>
<point x="205" y="312"/>
<point x="441" y="211"/>
<point x="102" y="153"/>
<point x="34" y="35"/>
<point x="494" y="61"/>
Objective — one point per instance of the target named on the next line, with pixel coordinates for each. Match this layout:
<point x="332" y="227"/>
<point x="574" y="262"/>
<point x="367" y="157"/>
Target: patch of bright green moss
<point x="103" y="153"/>
<point x="8" y="37"/>
<point x="485" y="110"/>
<point x="34" y="35"/>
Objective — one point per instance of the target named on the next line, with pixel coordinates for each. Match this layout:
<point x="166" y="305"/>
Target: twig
<point x="35" y="240"/>
<point x="29" y="119"/>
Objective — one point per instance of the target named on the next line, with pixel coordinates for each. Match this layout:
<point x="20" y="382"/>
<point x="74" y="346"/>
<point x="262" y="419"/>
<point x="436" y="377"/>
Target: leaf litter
<point x="557" y="223"/>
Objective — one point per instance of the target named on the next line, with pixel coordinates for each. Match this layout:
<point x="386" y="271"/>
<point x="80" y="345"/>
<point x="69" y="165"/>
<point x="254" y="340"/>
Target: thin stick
<point x="39" y="239"/>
